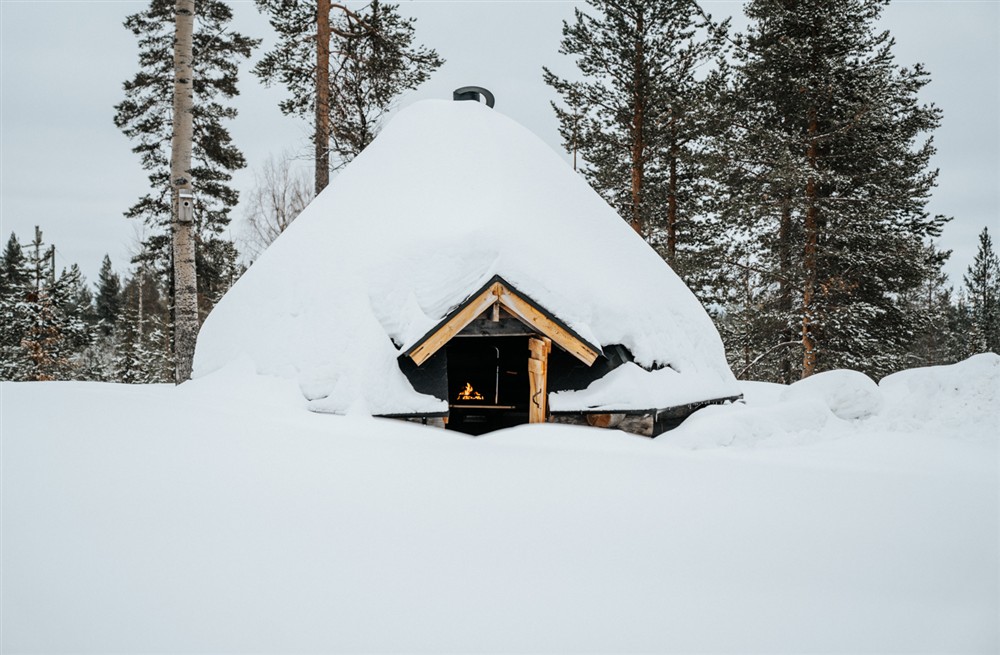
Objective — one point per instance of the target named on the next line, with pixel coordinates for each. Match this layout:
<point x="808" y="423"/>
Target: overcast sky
<point x="65" y="167"/>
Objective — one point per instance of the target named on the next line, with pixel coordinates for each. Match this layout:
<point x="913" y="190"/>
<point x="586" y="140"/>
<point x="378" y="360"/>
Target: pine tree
<point x="108" y="302"/>
<point x="77" y="299"/>
<point x="346" y="75"/>
<point x="937" y="339"/>
<point x="827" y="175"/>
<point x="14" y="320"/>
<point x="13" y="267"/>
<point x="145" y="116"/>
<point x="962" y="324"/>
<point x="639" y="116"/>
<point x="141" y="345"/>
<point x="982" y="287"/>
<point x="42" y="329"/>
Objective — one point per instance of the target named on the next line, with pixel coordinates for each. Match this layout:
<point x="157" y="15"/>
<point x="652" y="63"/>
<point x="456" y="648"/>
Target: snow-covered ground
<point x="833" y="515"/>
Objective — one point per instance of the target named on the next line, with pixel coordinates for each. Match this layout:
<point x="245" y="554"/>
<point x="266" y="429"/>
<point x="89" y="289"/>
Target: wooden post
<point x="538" y="377"/>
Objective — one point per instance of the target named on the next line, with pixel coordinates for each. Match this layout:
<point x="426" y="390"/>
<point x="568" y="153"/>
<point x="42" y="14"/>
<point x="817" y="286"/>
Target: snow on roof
<point x="449" y="195"/>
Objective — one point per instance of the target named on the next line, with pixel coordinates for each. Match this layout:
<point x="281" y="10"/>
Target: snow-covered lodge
<point x="459" y="273"/>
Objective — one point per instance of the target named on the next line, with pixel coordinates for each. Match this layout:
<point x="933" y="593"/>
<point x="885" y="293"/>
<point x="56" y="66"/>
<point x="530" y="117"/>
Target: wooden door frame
<point x="539" y="348"/>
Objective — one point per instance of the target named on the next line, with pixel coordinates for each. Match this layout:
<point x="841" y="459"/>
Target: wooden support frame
<point x="538" y="378"/>
<point x="525" y="311"/>
<point x="494" y="294"/>
<point x="443" y="333"/>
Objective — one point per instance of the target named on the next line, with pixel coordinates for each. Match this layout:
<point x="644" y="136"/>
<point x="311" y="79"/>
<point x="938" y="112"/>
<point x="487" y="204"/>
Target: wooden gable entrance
<point x="497" y="345"/>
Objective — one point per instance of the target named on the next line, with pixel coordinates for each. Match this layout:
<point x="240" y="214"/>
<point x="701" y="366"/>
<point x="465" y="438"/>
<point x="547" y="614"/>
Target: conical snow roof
<point x="449" y="195"/>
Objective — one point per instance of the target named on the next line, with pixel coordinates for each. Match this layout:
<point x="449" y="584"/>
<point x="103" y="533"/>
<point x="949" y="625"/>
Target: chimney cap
<point x="473" y="93"/>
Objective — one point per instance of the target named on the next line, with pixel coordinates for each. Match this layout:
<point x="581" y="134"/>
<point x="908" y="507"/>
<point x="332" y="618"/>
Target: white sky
<point x="65" y="167"/>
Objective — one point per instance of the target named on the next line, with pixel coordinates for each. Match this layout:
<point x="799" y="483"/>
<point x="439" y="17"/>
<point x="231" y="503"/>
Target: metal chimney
<point x="473" y="93"/>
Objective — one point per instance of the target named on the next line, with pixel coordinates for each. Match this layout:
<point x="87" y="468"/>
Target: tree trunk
<point x="322" y="136"/>
<point x="38" y="259"/>
<point x="785" y="285"/>
<point x="142" y="284"/>
<point x="809" y="259"/>
<point x="185" y="277"/>
<point x="672" y="208"/>
<point x="638" y="131"/>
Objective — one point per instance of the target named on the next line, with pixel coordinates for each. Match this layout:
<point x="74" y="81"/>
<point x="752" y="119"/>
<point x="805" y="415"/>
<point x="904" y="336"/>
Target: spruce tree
<point x="14" y="320"/>
<point x="828" y="179"/>
<point x="42" y="330"/>
<point x="639" y="115"/>
<point x="982" y="288"/>
<point x="145" y="116"/>
<point x="937" y="339"/>
<point x="108" y="302"/>
<point x="141" y="344"/>
<point x="78" y="300"/>
<point x="346" y="74"/>
<point x="13" y="267"/>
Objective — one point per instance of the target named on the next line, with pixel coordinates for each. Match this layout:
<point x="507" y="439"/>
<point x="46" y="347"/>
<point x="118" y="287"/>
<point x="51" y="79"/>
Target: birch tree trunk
<point x="185" y="276"/>
<point x="322" y="135"/>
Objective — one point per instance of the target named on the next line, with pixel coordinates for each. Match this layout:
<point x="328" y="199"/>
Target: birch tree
<point x="146" y="115"/>
<point x="279" y="194"/>
<point x="185" y="274"/>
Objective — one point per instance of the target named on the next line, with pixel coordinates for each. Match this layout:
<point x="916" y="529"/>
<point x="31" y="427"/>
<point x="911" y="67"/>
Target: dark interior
<point x="496" y="368"/>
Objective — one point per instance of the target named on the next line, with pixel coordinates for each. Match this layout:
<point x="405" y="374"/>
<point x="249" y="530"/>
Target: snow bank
<point x="849" y="395"/>
<point x="960" y="400"/>
<point x="449" y="195"/>
<point x="631" y="387"/>
<point x="787" y="422"/>
<point x="957" y="401"/>
<point x="220" y="517"/>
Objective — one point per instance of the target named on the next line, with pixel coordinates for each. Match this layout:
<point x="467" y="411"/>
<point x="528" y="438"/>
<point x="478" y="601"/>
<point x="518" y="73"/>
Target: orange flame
<point x="468" y="393"/>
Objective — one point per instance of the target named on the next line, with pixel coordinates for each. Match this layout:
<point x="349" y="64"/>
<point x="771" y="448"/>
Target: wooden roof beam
<point x="525" y="311"/>
<point x="493" y="294"/>
<point x="470" y="312"/>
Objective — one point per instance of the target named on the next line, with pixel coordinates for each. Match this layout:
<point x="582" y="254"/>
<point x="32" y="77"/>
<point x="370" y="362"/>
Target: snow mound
<point x="761" y="393"/>
<point x="850" y="395"/>
<point x="958" y="400"/>
<point x="640" y="389"/>
<point x="449" y="195"/>
<point x="211" y="517"/>
<point x="955" y="401"/>
<point x="787" y="422"/>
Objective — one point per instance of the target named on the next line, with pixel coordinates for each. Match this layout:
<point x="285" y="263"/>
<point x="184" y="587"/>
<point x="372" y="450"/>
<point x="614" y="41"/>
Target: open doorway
<point x="488" y="385"/>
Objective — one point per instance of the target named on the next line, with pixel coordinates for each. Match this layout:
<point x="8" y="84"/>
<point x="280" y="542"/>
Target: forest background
<point x="56" y="123"/>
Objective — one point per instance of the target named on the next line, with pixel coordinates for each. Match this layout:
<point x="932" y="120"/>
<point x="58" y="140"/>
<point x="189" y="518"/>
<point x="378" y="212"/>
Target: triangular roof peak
<point x="500" y="293"/>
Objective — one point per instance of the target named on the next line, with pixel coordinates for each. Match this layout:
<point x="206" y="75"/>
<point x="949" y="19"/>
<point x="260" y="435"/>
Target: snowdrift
<point x="449" y="195"/>
<point x="219" y="517"/>
<point x="958" y="401"/>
